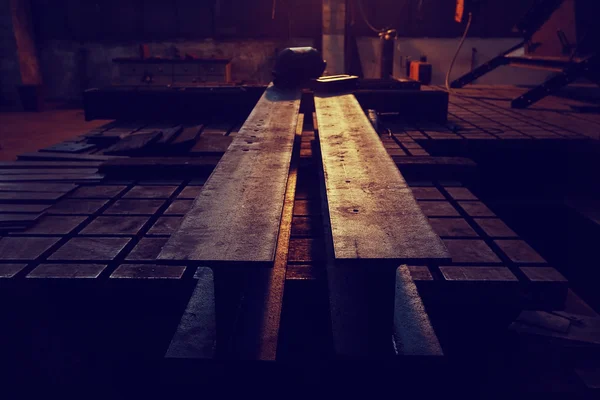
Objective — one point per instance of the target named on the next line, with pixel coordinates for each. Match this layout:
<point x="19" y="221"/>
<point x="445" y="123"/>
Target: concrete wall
<point x="439" y="52"/>
<point x="252" y="60"/>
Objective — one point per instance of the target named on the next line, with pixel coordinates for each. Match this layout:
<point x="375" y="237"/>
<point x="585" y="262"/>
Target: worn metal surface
<point x="67" y="271"/>
<point x="196" y="334"/>
<point x="47" y="171"/>
<point x="51" y="178"/>
<point x="69" y="147"/>
<point x="261" y="313"/>
<point x="413" y="333"/>
<point x="256" y="327"/>
<point x="42" y="197"/>
<point x="237" y="215"/>
<point x="372" y="211"/>
<point x="49" y="164"/>
<point x="148" y="271"/>
<point x="41" y="156"/>
<point x="134" y="143"/>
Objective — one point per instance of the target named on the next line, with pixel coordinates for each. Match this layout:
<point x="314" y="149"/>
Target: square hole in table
<point x="92" y="249"/>
<point x="67" y="271"/>
<point x="139" y="271"/>
<point x="427" y="193"/>
<point x="470" y="251"/>
<point x="56" y="224"/>
<point x="98" y="191"/>
<point x="147" y="249"/>
<point x="25" y="248"/>
<point x="107" y="225"/>
<point x="161" y="182"/>
<point x="476" y="209"/>
<point x="23" y="208"/>
<point x="543" y="274"/>
<point x="438" y="208"/>
<point x="10" y="270"/>
<point x="414" y="184"/>
<point x="150" y="192"/>
<point x="76" y="206"/>
<point x="420" y="273"/>
<point x="199" y="181"/>
<point x="461" y="193"/>
<point x="476" y="273"/>
<point x="190" y="192"/>
<point x="495" y="227"/>
<point x="418" y="152"/>
<point x="179" y="207"/>
<point x="135" y="206"/>
<point x="519" y="251"/>
<point x="452" y="227"/>
<point x="165" y="226"/>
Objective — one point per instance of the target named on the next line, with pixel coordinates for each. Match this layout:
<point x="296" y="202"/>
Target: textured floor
<point x="111" y="232"/>
<point x="484" y="113"/>
<point x="23" y="132"/>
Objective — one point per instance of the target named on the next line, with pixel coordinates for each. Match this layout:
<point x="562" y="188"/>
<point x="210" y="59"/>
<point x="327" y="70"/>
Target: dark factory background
<point x="390" y="195"/>
<point x="74" y="42"/>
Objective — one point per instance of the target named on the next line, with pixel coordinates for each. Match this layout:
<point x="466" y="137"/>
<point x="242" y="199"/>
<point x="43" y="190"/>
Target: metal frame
<point x="569" y="71"/>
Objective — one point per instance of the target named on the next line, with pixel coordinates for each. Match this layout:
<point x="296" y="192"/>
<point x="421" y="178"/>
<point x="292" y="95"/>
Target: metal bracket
<point x="483" y="69"/>
<point x="585" y="68"/>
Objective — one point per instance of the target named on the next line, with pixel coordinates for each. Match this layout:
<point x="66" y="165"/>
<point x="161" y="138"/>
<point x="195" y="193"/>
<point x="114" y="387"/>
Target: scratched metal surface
<point x="372" y="211"/>
<point x="237" y="215"/>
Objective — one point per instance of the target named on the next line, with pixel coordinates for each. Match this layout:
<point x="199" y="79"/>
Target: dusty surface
<point x="22" y="132"/>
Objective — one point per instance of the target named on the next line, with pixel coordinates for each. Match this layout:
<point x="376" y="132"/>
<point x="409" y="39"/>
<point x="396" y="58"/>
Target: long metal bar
<point x="372" y="225"/>
<point x="236" y="217"/>
<point x="483" y="69"/>
<point x="372" y="211"/>
<point x="260" y="316"/>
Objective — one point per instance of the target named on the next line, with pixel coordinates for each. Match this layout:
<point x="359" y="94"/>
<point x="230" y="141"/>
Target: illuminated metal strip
<point x="236" y="217"/>
<point x="196" y="336"/>
<point x="372" y="211"/>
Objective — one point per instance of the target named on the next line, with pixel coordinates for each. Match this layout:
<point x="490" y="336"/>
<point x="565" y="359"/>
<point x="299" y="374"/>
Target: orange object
<point x="460" y="10"/>
<point x="421" y="71"/>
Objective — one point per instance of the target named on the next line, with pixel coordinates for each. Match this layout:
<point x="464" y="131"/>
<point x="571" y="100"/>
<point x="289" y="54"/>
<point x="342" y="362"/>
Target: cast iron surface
<point x="413" y="333"/>
<point x="237" y="215"/>
<point x="372" y="211"/>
